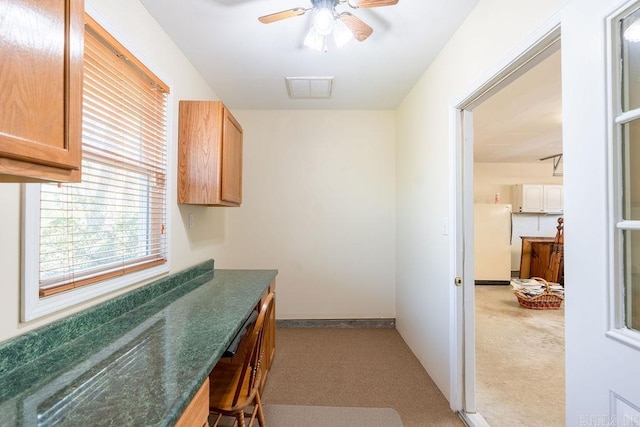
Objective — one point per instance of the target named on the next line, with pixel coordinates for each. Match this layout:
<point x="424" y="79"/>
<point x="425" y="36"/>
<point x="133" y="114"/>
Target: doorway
<point x="519" y="352"/>
<point x="543" y="49"/>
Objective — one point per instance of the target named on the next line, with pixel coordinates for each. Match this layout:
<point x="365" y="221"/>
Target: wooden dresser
<point x="544" y="256"/>
<point x="535" y="256"/>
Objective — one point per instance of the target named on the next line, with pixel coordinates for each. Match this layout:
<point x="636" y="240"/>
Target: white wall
<point x="318" y="205"/>
<point x="424" y="281"/>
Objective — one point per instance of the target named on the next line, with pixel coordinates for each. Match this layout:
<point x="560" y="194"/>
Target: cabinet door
<point x="532" y="198"/>
<point x="209" y="155"/>
<point x="198" y="141"/>
<point x="197" y="411"/>
<point x="41" y="45"/>
<point x="231" y="173"/>
<point x="553" y="198"/>
<point x="540" y="255"/>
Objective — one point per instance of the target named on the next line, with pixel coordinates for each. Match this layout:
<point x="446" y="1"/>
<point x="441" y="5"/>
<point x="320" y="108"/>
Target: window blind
<point x="114" y="221"/>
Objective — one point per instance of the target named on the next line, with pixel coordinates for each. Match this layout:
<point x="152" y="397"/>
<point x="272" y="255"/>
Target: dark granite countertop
<point x="139" y="367"/>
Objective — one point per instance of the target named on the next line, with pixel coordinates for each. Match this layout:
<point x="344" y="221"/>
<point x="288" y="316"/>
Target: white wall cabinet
<point x="538" y="198"/>
<point x="553" y="198"/>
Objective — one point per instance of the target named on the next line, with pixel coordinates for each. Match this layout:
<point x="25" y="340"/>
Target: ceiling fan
<point x="327" y="20"/>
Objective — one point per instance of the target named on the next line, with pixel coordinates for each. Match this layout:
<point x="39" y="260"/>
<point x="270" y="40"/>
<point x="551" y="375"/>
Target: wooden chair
<point x="235" y="386"/>
<point x="555" y="271"/>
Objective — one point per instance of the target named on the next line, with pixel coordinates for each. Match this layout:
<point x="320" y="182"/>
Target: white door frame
<point x="532" y="51"/>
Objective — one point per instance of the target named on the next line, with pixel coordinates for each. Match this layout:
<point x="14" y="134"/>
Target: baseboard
<point x="492" y="282"/>
<point x="472" y="419"/>
<point x="337" y="323"/>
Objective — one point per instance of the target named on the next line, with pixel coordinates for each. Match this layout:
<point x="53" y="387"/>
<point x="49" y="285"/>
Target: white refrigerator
<point x="492" y="242"/>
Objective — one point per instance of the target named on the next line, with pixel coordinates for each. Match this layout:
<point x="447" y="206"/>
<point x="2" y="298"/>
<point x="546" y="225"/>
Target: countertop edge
<point x="176" y="411"/>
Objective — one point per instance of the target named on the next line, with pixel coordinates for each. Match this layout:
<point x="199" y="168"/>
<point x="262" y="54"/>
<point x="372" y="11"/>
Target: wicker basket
<point x="546" y="301"/>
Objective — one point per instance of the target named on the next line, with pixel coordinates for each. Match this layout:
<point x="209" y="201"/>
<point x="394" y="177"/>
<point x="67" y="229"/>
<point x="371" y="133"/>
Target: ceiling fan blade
<point x="279" y="16"/>
<point x="373" y="3"/>
<point x="360" y="30"/>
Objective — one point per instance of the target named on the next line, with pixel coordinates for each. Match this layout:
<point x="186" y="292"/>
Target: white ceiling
<point x="245" y="62"/>
<point x="523" y="122"/>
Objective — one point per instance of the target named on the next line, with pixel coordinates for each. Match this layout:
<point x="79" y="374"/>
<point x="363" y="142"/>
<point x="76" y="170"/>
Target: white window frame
<point x="32" y="305"/>
<point x="617" y="225"/>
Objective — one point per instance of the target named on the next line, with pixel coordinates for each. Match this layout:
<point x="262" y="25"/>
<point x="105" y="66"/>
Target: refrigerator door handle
<point x="511" y="228"/>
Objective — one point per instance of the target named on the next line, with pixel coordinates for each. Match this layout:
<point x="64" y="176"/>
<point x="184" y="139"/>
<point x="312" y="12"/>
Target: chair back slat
<point x="255" y="350"/>
<point x="554" y="270"/>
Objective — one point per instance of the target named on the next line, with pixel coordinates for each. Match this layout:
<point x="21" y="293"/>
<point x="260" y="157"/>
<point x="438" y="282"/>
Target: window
<point x="109" y="231"/>
<point x="626" y="139"/>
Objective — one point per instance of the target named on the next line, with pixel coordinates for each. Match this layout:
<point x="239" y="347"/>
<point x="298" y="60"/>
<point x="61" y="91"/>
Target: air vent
<point x="309" y="87"/>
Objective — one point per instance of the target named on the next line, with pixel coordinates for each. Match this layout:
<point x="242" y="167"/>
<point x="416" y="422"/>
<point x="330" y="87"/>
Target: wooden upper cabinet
<point x="209" y="155"/>
<point x="41" y="46"/>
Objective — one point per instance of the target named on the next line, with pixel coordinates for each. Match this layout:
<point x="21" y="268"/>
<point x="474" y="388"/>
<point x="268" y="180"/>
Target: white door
<point x="601" y="139"/>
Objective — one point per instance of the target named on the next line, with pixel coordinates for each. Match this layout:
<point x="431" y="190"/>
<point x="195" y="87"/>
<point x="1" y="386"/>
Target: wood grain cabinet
<point x="536" y="257"/>
<point x="197" y="412"/>
<point x="209" y="155"/>
<point x="41" y="46"/>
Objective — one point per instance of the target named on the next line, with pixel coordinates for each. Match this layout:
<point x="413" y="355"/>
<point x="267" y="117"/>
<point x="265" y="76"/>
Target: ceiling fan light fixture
<point x="341" y="33"/>
<point x="326" y="20"/>
<point x="314" y="40"/>
<point x="323" y="21"/>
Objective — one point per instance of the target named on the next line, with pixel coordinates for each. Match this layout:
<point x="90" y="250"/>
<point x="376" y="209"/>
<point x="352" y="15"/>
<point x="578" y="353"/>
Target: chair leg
<point x="215" y="423"/>
<point x="240" y="419"/>
<point x="252" y="417"/>
<point x="258" y="408"/>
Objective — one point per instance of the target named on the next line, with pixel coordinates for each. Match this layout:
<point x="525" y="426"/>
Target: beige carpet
<point x="519" y="361"/>
<point x="362" y="368"/>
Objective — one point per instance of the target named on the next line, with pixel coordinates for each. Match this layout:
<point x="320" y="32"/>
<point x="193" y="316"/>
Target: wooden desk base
<point x="535" y="255"/>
